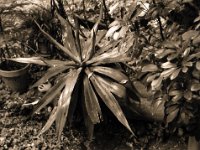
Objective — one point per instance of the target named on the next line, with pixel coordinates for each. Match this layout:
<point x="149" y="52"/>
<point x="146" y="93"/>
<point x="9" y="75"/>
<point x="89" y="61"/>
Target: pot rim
<point x="14" y="73"/>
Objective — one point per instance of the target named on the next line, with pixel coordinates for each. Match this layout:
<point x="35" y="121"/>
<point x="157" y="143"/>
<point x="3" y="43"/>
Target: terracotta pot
<point x="15" y="75"/>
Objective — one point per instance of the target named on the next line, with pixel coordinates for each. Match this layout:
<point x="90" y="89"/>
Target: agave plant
<point x="87" y="70"/>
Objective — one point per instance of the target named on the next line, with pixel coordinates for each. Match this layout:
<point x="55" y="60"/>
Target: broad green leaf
<point x="172" y="56"/>
<point x="58" y="45"/>
<point x="198" y="65"/>
<point x="50" y="95"/>
<point x="192" y="56"/>
<point x="31" y="60"/>
<point x="186" y="52"/>
<point x="112" y="30"/>
<point x="116" y="36"/>
<point x="168" y="72"/>
<point x="162" y="53"/>
<point x="50" y="73"/>
<point x="149" y="68"/>
<point x="114" y="23"/>
<point x="197" y="19"/>
<point x="110" y="101"/>
<point x="158" y="106"/>
<point x="196" y="40"/>
<point x="50" y="121"/>
<point x="184" y="69"/>
<point x="91" y="102"/>
<point x="113" y="7"/>
<point x="65" y="99"/>
<point x="185" y="118"/>
<point x="169" y="44"/>
<point x="141" y="89"/>
<point x="187" y="95"/>
<point x="152" y="77"/>
<point x="175" y="74"/>
<point x="172" y="115"/>
<point x="123" y="31"/>
<point x="177" y="97"/>
<point x="195" y="87"/>
<point x="175" y="92"/>
<point x="190" y="35"/>
<point x="156" y="83"/>
<point x="196" y="74"/>
<point x="171" y="108"/>
<point x="167" y="65"/>
<point x="188" y="64"/>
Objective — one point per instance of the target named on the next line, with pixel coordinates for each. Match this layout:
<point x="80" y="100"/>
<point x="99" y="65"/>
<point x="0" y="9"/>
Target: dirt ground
<point x="18" y="131"/>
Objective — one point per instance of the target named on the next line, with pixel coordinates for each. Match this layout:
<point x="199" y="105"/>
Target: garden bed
<point x="20" y="132"/>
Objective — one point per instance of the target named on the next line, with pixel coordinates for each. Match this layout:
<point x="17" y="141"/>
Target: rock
<point x="2" y="140"/>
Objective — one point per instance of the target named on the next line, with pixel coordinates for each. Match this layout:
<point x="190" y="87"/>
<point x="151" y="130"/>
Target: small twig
<point x="160" y="24"/>
<point x="84" y="13"/>
<point x="106" y="14"/>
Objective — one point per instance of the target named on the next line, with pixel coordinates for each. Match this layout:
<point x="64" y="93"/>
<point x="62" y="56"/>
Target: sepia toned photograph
<point x="99" y="74"/>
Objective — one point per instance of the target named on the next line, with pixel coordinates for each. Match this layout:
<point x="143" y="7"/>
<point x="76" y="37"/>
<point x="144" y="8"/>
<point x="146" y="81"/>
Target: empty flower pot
<point x="15" y="75"/>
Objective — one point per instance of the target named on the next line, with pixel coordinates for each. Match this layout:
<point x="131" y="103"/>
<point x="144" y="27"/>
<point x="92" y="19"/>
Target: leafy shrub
<point x="168" y="60"/>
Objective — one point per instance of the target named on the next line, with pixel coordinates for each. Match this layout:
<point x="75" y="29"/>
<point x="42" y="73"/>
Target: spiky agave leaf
<point x="68" y="38"/>
<point x="59" y="46"/>
<point x="88" y="52"/>
<point x="64" y="101"/>
<point x="74" y="101"/>
<point x="91" y="49"/>
<point x="43" y="62"/>
<point x="108" y="98"/>
<point x="31" y="60"/>
<point x="116" y="55"/>
<point x="113" y="56"/>
<point x="51" y="72"/>
<point x="57" y="63"/>
<point x="91" y="102"/>
<point x="114" y="87"/>
<point x="50" y="95"/>
<point x="114" y="74"/>
<point x="50" y="121"/>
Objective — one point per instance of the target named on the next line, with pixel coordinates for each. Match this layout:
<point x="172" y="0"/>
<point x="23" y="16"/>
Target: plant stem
<point x="161" y="29"/>
<point x="160" y="24"/>
<point x="106" y="14"/>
